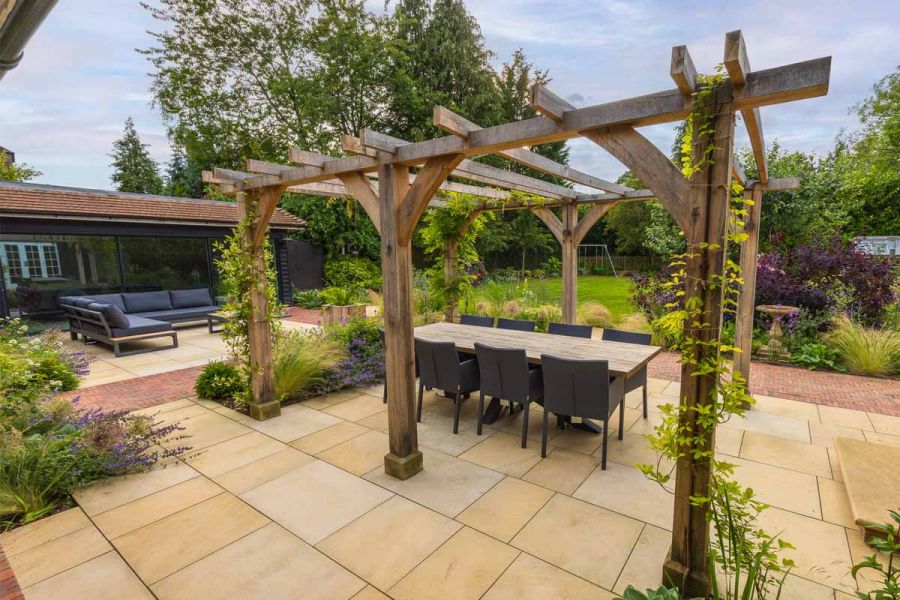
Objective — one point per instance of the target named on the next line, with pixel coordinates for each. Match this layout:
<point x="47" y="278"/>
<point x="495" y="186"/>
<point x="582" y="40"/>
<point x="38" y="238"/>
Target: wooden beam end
<point x="682" y="70"/>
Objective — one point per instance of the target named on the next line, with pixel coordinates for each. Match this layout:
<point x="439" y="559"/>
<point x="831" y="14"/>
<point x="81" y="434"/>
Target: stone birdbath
<point x="775" y="348"/>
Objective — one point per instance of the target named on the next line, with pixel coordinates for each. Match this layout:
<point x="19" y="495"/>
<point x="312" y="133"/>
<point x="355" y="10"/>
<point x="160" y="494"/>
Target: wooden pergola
<point x="395" y="181"/>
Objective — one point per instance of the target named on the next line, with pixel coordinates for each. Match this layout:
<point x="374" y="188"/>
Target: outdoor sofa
<point x="116" y="319"/>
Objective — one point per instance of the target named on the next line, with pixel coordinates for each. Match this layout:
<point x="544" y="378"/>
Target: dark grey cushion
<point x="138" y="325"/>
<point x="179" y="314"/>
<point x="82" y="301"/>
<point x="190" y="298"/>
<point x="112" y="313"/>
<point x="66" y="300"/>
<point x="140" y="302"/>
<point x="115" y="299"/>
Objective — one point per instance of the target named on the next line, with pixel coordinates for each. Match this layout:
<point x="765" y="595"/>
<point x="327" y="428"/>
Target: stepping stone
<point x="872" y="480"/>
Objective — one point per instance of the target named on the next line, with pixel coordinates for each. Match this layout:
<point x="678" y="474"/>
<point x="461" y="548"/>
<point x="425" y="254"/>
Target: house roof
<point x="50" y="201"/>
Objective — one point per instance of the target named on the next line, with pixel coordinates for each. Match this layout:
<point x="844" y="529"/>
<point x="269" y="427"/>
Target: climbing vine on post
<point x="237" y="276"/>
<point x="741" y="555"/>
<point x="450" y="231"/>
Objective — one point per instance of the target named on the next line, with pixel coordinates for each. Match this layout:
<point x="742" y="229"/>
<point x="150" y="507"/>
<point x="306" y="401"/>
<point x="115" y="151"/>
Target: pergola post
<point x="404" y="459"/>
<point x="709" y="197"/>
<point x="569" y="232"/>
<point x="743" y="322"/>
<point x="451" y="264"/>
<point x="264" y="405"/>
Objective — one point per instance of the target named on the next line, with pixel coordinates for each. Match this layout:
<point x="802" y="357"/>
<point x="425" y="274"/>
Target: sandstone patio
<point x="300" y="506"/>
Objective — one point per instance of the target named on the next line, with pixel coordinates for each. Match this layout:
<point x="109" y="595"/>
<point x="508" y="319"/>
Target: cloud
<point x="62" y="108"/>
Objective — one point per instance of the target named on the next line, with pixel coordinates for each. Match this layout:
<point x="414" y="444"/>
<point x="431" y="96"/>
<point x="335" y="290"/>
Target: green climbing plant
<point x="237" y="278"/>
<point x="742" y="556"/>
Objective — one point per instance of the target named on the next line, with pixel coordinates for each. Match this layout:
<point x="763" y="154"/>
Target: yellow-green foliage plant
<point x="303" y="360"/>
<point x="863" y="350"/>
<point x="595" y="315"/>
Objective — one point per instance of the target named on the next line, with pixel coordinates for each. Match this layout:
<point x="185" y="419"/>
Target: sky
<point x="81" y="76"/>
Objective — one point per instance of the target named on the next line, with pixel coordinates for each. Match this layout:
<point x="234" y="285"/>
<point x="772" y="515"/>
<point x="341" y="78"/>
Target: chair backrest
<point x="629" y="337"/>
<point x="504" y="372"/>
<point x="438" y="364"/>
<point x="476" y="320"/>
<point x="579" y="388"/>
<point x="582" y="331"/>
<point x="515" y="324"/>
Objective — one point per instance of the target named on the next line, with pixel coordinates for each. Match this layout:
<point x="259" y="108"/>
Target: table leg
<point x="492" y="412"/>
<point x="587" y="425"/>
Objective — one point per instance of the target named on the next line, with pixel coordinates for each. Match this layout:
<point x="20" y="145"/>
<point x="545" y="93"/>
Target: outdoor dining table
<point x="624" y="359"/>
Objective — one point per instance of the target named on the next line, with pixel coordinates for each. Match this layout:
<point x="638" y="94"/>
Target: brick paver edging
<point x="9" y="587"/>
<point x="140" y="392"/>
<point x="870" y="394"/>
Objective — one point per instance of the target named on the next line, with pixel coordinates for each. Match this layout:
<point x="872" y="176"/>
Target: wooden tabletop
<point x="624" y="359"/>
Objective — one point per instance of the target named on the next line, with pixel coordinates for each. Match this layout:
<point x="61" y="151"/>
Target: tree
<point x="133" y="169"/>
<point x="183" y="177"/>
<point x="338" y="225"/>
<point x="439" y="58"/>
<point x="10" y="171"/>
<point x="871" y="181"/>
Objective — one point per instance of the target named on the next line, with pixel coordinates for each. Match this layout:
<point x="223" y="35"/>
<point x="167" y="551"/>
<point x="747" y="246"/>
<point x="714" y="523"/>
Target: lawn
<point x="610" y="291"/>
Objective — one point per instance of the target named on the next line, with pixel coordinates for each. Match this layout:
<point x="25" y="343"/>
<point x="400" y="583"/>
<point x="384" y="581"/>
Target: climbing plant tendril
<point x="742" y="556"/>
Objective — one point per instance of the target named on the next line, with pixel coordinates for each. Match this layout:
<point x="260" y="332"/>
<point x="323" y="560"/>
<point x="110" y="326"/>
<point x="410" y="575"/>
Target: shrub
<point x="353" y="272"/>
<point x="340" y="296"/>
<point x="828" y="274"/>
<point x="364" y="365"/>
<point x="512" y="309"/>
<point x="220" y="381"/>
<point x="863" y="350"/>
<point x="308" y="298"/>
<point x="814" y="355"/>
<point x="595" y="314"/>
<point x="651" y="293"/>
<point x="542" y="315"/>
<point x="303" y="361"/>
<point x="668" y="330"/>
<point x="636" y="322"/>
<point x="485" y="308"/>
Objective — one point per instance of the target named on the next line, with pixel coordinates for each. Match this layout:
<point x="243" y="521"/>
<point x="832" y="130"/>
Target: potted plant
<point x="341" y="304"/>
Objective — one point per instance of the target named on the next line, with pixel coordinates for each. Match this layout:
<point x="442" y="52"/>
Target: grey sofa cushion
<point x="82" y="301"/>
<point x="115" y="299"/>
<point x="179" y="314"/>
<point x="190" y="298"/>
<point x="140" y="302"/>
<point x="68" y="300"/>
<point x="137" y="325"/>
<point x="112" y="313"/>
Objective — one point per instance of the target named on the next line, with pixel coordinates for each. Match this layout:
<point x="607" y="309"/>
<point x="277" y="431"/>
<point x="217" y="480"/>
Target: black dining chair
<point x="639" y="379"/>
<point x="581" y="331"/>
<point x="440" y="368"/>
<point x="515" y="324"/>
<point x="477" y="320"/>
<point x="581" y="388"/>
<point x="384" y="387"/>
<point x="505" y="375"/>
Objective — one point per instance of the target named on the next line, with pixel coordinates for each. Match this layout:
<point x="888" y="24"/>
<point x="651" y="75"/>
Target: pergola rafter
<point x="398" y="199"/>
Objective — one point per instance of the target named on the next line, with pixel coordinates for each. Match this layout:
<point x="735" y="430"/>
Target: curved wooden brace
<point x="551" y="221"/>
<point x="650" y="165"/>
<point x="590" y="218"/>
<point x="365" y="193"/>
<point x="416" y="199"/>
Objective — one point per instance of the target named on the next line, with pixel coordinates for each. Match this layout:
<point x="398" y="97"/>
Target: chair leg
<point x="419" y="405"/>
<point x="544" y="435"/>
<point x="645" y="401"/>
<point x="622" y="420"/>
<point x="605" y="439"/>
<point x="480" y="413"/>
<point x="384" y="395"/>
<point x="526" y="412"/>
<point x="456" y="402"/>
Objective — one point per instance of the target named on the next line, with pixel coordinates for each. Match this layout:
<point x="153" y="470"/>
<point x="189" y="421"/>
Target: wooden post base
<point x="265" y="410"/>
<point x="691" y="584"/>
<point x="403" y="467"/>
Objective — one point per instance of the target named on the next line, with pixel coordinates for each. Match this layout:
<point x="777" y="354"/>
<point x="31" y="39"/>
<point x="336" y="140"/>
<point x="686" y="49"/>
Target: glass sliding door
<point x="164" y="263"/>
<point x="38" y="269"/>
